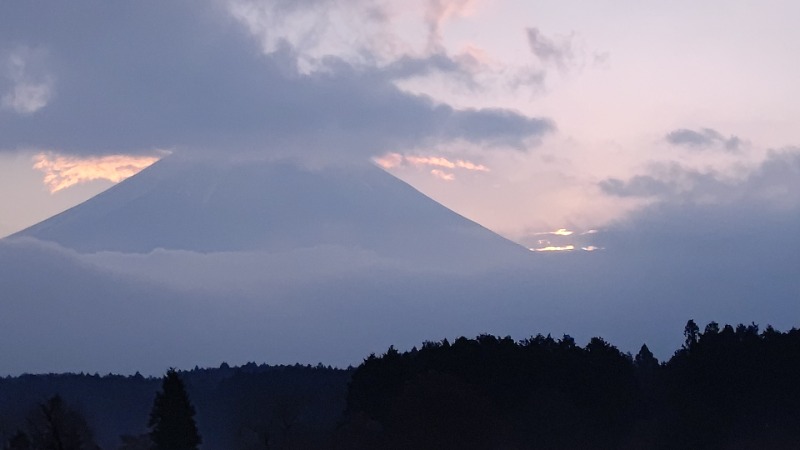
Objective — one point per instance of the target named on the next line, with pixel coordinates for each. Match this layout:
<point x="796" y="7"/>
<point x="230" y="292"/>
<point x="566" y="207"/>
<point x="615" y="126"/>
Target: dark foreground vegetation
<point x="726" y="388"/>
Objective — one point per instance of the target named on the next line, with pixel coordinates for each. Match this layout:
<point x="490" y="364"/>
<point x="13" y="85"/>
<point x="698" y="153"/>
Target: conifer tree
<point x="172" y="425"/>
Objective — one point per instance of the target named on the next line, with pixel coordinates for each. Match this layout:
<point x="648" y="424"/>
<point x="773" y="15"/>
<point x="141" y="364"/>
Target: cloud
<point x="190" y="76"/>
<point x="557" y="52"/>
<point x="776" y="181"/>
<point x="368" y="34"/>
<point x="444" y="162"/>
<point x="61" y="172"/>
<point x="637" y="186"/>
<point x="703" y="138"/>
<point x="27" y="86"/>
<point x="670" y="181"/>
<point x="442" y="175"/>
<point x="430" y="161"/>
<point x="746" y="219"/>
<point x="171" y="300"/>
<point x="27" y="98"/>
<point x="438" y="12"/>
<point x="352" y="29"/>
<point x="396" y="160"/>
<point x="390" y="160"/>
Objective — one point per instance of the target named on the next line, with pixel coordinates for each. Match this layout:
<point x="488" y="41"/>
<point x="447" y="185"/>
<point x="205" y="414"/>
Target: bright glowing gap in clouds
<point x="565" y="248"/>
<point x="558" y="232"/>
<point x="61" y="172"/>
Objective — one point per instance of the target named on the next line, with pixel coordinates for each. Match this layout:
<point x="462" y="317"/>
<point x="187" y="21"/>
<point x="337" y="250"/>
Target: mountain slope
<point x="209" y="206"/>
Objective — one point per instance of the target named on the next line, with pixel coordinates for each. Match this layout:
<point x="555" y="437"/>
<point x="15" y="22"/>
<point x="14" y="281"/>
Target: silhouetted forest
<point x="725" y="388"/>
<point x="237" y="407"/>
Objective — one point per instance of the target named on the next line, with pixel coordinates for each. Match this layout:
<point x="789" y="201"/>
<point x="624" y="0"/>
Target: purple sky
<point x="611" y="90"/>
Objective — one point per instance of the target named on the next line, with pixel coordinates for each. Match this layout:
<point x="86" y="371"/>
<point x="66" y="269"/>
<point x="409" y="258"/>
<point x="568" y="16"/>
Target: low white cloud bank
<point x="732" y="262"/>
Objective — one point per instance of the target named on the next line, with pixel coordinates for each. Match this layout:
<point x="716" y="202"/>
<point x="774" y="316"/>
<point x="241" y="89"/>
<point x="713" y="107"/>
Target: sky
<point x="519" y="115"/>
<point x="656" y="145"/>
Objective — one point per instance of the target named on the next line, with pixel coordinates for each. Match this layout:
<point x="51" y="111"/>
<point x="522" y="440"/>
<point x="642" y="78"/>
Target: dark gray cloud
<point x="495" y="126"/>
<point x="703" y="138"/>
<point x="775" y="181"/>
<point x="407" y="67"/>
<point x="136" y="76"/>
<point x="669" y="181"/>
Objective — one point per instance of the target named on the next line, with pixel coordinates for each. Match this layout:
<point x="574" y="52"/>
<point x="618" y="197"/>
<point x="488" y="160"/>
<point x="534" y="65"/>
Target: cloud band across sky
<point x="194" y="78"/>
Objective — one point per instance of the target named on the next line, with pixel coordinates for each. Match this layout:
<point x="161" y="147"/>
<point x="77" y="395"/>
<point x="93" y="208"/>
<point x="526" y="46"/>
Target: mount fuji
<point x="199" y="261"/>
<point x="205" y="205"/>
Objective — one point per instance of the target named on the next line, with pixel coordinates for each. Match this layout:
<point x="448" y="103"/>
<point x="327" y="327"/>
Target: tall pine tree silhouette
<point x="172" y="425"/>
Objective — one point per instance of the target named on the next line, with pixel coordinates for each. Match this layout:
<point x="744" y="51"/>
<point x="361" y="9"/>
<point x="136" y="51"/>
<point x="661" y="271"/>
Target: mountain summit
<point x="205" y="205"/>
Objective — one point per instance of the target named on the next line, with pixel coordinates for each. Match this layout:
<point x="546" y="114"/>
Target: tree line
<point x="725" y="388"/>
<point x="54" y="425"/>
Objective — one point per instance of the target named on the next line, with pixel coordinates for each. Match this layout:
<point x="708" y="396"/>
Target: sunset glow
<point x="182" y="182"/>
<point x="565" y="248"/>
<point x="392" y="160"/>
<point x="61" y="172"/>
<point x="558" y="232"/>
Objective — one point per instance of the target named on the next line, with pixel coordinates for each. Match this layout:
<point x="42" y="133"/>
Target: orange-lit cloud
<point x="444" y="162"/>
<point x="591" y="248"/>
<point x="392" y="160"/>
<point x="430" y="161"/>
<point x="61" y="172"/>
<point x="389" y="160"/>
<point x="442" y="175"/>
